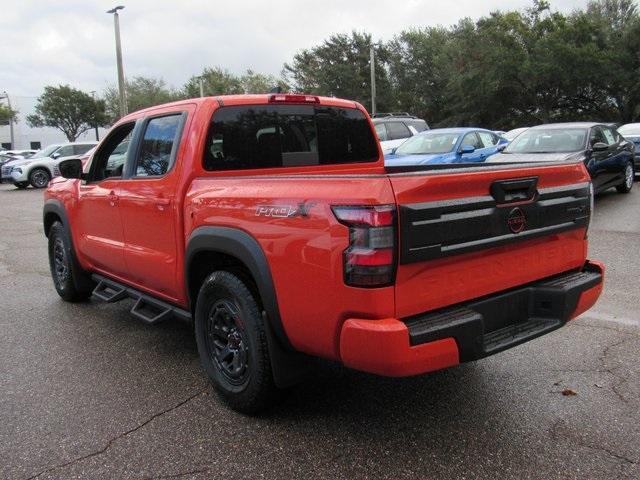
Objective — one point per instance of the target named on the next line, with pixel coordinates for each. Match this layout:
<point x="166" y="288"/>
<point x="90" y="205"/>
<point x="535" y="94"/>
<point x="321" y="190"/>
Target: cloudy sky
<point x="71" y="41"/>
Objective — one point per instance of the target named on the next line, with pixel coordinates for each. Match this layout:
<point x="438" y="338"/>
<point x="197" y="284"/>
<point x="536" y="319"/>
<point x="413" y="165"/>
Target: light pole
<point x="372" y="56"/>
<point x="121" y="87"/>
<point x="6" y="95"/>
<point x="95" y="112"/>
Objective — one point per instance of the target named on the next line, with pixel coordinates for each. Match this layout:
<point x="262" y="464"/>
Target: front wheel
<point x="61" y="264"/>
<point x="627" y="183"/>
<point x="39" y="178"/>
<point x="232" y="343"/>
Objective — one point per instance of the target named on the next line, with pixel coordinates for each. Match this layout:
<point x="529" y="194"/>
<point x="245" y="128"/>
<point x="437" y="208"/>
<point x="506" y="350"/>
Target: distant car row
<point x="611" y="156"/>
<point x="41" y="166"/>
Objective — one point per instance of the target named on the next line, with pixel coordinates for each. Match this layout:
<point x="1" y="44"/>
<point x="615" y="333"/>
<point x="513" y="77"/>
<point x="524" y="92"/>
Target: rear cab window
<point x="268" y="136"/>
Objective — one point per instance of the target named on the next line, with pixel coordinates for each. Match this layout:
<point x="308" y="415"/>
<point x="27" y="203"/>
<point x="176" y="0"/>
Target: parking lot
<point x="86" y="391"/>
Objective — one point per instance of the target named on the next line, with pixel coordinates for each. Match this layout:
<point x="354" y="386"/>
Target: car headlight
<point x="16" y="170"/>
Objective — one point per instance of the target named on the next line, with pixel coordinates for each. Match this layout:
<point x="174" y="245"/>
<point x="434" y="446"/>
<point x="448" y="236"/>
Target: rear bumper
<point x="471" y="330"/>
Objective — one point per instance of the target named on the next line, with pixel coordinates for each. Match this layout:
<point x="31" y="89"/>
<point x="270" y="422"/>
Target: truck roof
<point x="248" y="99"/>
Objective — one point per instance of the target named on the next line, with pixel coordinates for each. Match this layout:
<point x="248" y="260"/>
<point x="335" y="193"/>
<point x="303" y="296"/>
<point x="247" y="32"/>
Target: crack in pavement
<point x="115" y="439"/>
<point x="621" y="380"/>
<point x="553" y="431"/>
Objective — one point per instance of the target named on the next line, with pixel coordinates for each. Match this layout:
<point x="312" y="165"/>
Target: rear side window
<point x="158" y="145"/>
<point x="267" y="136"/>
<point x="488" y="139"/>
<point x="397" y="130"/>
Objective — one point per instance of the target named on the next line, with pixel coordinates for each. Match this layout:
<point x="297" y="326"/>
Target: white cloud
<point x="71" y="41"/>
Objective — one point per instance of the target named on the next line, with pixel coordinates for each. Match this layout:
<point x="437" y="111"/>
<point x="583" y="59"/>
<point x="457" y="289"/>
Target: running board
<point x="148" y="309"/>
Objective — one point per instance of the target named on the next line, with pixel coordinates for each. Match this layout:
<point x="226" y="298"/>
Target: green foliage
<point x="340" y="67"/>
<point x="507" y="69"/>
<point x="7" y="114"/>
<point x="217" y="81"/>
<point x="69" y="110"/>
<point x="141" y="92"/>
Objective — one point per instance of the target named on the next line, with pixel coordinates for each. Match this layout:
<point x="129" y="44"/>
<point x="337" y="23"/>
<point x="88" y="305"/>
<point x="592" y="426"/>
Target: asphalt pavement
<point x="87" y="391"/>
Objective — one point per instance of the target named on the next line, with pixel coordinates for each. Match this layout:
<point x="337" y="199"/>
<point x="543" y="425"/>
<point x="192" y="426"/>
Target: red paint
<point x="382" y="347"/>
<point x="589" y="297"/>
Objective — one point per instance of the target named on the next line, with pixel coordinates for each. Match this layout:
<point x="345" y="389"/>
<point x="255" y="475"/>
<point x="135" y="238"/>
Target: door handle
<point x="161" y="203"/>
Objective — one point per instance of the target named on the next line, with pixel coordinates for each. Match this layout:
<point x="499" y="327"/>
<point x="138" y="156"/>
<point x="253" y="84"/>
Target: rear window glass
<point x="267" y="136"/>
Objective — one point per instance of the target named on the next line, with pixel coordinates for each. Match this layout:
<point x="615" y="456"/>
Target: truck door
<point x="99" y="225"/>
<point x="149" y="205"/>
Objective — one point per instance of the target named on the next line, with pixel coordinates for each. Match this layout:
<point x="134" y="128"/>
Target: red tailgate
<point x="472" y="232"/>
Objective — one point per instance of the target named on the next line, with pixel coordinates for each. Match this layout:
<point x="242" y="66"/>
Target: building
<point x="26" y="137"/>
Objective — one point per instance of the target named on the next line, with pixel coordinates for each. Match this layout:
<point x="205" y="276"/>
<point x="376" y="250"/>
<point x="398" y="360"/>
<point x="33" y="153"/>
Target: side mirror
<point x="501" y="147"/>
<point x="55" y="155"/>
<point x="467" y="149"/>
<point x="71" y="168"/>
<point x="599" y="147"/>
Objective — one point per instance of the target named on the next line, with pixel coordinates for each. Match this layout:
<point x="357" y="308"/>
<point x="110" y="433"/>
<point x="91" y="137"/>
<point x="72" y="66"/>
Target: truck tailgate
<point x="470" y="232"/>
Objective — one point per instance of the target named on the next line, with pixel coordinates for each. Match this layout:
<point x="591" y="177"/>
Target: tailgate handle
<point x="511" y="191"/>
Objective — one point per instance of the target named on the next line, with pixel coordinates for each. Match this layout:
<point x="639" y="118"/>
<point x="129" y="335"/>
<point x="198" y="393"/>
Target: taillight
<point x="369" y="260"/>
<point x="293" y="98"/>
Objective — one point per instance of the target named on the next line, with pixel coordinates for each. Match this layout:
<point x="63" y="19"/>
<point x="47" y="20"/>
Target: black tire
<point x="39" y="177"/>
<point x="627" y="182"/>
<point x="232" y="343"/>
<point x="21" y="185"/>
<point x="63" y="265"/>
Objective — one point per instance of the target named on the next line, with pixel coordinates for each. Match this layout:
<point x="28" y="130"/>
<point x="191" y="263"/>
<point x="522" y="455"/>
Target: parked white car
<point x="43" y="166"/>
<point x="394" y="128"/>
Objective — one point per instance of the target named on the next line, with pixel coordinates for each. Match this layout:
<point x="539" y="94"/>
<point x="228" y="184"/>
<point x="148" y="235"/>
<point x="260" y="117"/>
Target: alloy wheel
<point x="226" y="342"/>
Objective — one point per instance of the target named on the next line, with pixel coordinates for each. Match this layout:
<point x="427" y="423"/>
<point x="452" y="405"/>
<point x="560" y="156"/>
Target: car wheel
<point x="21" y="185"/>
<point x="627" y="183"/>
<point x="232" y="343"/>
<point x="39" y="178"/>
<point x="62" y="265"/>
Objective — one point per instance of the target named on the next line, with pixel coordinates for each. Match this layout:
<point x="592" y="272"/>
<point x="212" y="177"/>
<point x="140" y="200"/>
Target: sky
<point x="72" y="41"/>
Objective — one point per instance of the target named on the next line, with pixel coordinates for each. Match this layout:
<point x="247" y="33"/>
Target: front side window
<point x="106" y="163"/>
<point x="381" y="131"/>
<point x="158" y="146"/>
<point x="609" y="136"/>
<point x="472" y="140"/>
<point x="65" y="151"/>
<point x="597" y="136"/>
<point x="82" y="148"/>
<point x="268" y="136"/>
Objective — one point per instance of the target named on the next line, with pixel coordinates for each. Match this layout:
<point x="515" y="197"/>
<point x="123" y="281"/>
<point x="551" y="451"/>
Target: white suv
<point x="43" y="166"/>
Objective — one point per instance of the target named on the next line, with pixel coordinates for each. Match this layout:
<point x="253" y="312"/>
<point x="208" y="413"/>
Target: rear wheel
<point x="39" y="178"/>
<point x="627" y="183"/>
<point x="62" y="265"/>
<point x="232" y="343"/>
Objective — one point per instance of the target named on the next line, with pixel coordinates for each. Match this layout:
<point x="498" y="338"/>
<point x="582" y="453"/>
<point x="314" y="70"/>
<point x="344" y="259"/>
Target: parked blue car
<point x="446" y="145"/>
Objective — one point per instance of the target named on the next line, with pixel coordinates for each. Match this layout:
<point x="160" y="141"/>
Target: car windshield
<point x="428" y="143"/>
<point x="631" y="129"/>
<point x="46" y="152"/>
<point x="549" y="140"/>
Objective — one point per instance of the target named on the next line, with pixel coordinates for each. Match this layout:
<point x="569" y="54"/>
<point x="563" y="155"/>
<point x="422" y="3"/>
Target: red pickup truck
<point x="271" y="222"/>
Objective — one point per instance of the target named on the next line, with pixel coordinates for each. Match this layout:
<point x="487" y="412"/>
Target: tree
<point x="341" y="67"/>
<point x="69" y="110"/>
<point x="7" y="114"/>
<point x="141" y="92"/>
<point x="253" y="82"/>
<point x="216" y="81"/>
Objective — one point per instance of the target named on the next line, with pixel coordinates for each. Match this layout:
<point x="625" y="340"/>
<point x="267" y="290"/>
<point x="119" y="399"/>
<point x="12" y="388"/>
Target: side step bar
<point x="146" y="308"/>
